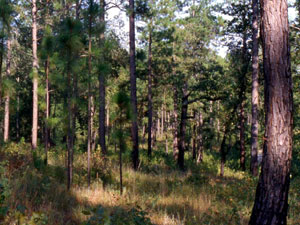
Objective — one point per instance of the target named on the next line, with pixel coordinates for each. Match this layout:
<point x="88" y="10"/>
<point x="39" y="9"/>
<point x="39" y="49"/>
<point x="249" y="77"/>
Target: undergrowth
<point x="32" y="193"/>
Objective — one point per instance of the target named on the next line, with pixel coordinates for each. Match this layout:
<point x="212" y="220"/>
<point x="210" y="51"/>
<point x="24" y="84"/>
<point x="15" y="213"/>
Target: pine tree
<point x="271" y="200"/>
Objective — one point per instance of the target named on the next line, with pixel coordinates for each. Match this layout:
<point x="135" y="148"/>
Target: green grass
<point x="32" y="193"/>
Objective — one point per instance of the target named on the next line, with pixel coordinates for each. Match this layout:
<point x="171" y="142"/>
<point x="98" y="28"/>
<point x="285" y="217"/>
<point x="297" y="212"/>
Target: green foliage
<point x="118" y="216"/>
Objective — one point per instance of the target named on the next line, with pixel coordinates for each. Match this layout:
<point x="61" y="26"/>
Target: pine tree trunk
<point x="200" y="139"/>
<point x="194" y="141"/>
<point x="150" y="112"/>
<point x="35" y="77"/>
<point x="242" y="138"/>
<point x="47" y="98"/>
<point x="271" y="200"/>
<point x="89" y="136"/>
<point x="182" y="128"/>
<point x="101" y="78"/>
<point x="7" y="97"/>
<point x="175" y="125"/>
<point x="255" y="90"/>
<point x="134" y="129"/>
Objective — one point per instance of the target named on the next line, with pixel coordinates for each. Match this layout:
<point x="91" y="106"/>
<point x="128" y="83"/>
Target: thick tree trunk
<point x="47" y="98"/>
<point x="134" y="129"/>
<point x="255" y="90"/>
<point x="150" y="113"/>
<point x="102" y="85"/>
<point x="35" y="66"/>
<point x="7" y="97"/>
<point x="271" y="200"/>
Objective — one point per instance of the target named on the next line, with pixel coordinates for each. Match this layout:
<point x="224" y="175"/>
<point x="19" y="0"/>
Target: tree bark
<point x="7" y="97"/>
<point x="35" y="66"/>
<point x="134" y="128"/>
<point x="271" y="200"/>
<point x="255" y="90"/>
<point x="150" y="113"/>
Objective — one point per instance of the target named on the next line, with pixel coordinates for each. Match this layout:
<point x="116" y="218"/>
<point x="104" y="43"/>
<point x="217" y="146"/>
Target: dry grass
<point x="170" y="197"/>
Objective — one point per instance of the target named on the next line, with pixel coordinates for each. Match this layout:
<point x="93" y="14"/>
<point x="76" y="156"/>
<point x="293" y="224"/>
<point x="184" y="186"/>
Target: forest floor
<point x="31" y="193"/>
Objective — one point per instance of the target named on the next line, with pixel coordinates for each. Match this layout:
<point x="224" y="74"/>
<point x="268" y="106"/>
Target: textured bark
<point x="150" y="113"/>
<point x="271" y="200"/>
<point x="7" y="97"/>
<point x="255" y="89"/>
<point x="101" y="78"/>
<point x="35" y="66"/>
<point x="133" y="98"/>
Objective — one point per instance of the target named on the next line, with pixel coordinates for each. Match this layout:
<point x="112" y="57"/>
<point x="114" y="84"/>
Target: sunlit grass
<point x="167" y="195"/>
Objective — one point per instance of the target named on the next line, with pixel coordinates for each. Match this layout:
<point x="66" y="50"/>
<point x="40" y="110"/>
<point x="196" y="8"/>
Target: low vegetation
<point x="32" y="193"/>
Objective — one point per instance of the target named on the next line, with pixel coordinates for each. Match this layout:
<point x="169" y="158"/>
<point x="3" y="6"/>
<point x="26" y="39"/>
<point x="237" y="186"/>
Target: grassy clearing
<point x="35" y="194"/>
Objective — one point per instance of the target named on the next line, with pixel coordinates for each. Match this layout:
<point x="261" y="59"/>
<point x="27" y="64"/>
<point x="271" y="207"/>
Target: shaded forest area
<point x="149" y="112"/>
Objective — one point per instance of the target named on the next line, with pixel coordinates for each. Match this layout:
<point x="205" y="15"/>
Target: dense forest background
<point x="136" y="112"/>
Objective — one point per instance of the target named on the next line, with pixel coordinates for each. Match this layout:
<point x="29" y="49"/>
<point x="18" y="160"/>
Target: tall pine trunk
<point x="102" y="84"/>
<point x="182" y="128"/>
<point x="255" y="93"/>
<point x="150" y="113"/>
<point x="134" y="129"/>
<point x="35" y="66"/>
<point x="7" y="97"/>
<point x="271" y="200"/>
<point x="89" y="136"/>
<point x="47" y="97"/>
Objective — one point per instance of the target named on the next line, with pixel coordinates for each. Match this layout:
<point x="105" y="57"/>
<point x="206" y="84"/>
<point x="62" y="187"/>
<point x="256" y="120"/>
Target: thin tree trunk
<point x="134" y="129"/>
<point x="242" y="102"/>
<point x="35" y="66"/>
<point x="182" y="128"/>
<point x="242" y="138"/>
<point x="200" y="139"/>
<point x="175" y="126"/>
<point x="150" y="113"/>
<point x="1" y="64"/>
<point x="89" y="136"/>
<point x="7" y="97"/>
<point x="47" y="109"/>
<point x="102" y="84"/>
<point x="255" y="89"/>
<point x="271" y="200"/>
